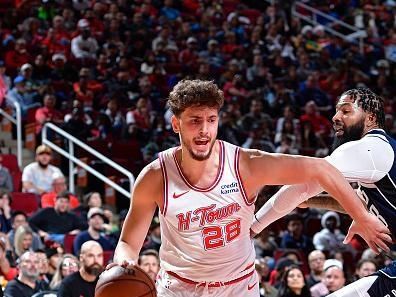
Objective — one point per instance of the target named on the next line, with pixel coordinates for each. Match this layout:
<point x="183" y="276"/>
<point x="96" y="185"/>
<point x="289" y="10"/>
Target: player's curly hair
<point x="369" y="102"/>
<point x="195" y="92"/>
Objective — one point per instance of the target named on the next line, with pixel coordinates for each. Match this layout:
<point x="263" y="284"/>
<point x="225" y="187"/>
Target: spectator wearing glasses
<point x="37" y="177"/>
<point x="316" y="261"/>
<point x="27" y="283"/>
<point x="58" y="186"/>
<point x="66" y="266"/>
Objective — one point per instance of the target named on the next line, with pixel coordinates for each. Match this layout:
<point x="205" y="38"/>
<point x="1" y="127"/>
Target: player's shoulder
<point x="152" y="170"/>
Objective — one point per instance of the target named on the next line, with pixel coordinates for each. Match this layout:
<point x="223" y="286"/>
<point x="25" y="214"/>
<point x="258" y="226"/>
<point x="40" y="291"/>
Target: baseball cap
<point x="95" y="211"/>
<point x="43" y="149"/>
<point x="332" y="262"/>
<point x="26" y="66"/>
<point x="83" y="23"/>
<point x="19" y="79"/>
<point x="192" y="40"/>
<point x="59" y="56"/>
<point x="213" y="42"/>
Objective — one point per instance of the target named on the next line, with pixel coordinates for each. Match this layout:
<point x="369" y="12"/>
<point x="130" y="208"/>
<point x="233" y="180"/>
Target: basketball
<point x="120" y="282"/>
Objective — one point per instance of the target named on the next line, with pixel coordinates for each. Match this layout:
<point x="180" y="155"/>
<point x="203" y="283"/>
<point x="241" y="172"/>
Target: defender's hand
<point x="373" y="231"/>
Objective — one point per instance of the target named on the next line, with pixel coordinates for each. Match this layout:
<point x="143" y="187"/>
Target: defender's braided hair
<point x="369" y="102"/>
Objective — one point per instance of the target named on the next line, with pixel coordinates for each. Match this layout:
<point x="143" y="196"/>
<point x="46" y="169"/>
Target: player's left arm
<point x="260" y="168"/>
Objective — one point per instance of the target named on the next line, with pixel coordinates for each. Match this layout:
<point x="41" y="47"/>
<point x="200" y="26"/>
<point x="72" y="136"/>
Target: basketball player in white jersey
<point x="206" y="190"/>
<point x="364" y="154"/>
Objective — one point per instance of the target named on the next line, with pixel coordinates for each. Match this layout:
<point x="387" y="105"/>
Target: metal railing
<point x="312" y="18"/>
<point x="17" y="121"/>
<point x="73" y="160"/>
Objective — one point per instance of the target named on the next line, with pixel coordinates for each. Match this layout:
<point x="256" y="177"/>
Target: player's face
<point x="348" y="122"/>
<point x="197" y="128"/>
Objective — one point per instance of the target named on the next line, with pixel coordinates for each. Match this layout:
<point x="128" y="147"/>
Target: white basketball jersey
<point x="206" y="232"/>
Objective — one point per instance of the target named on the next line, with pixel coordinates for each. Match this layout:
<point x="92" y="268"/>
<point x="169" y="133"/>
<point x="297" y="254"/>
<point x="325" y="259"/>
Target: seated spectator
<point x="54" y="223"/>
<point x="5" y="212"/>
<point x="365" y="267"/>
<point x="21" y="95"/>
<point x="294" y="237"/>
<point x="263" y="271"/>
<point x="149" y="261"/>
<point x="316" y="261"/>
<point x="92" y="199"/>
<point x="332" y="281"/>
<point x="37" y="176"/>
<point x="310" y="91"/>
<point x="43" y="267"/>
<point x="84" y="46"/>
<point x="67" y="265"/>
<point x="6" y="183"/>
<point x="22" y="240"/>
<point x="5" y="82"/>
<point x="330" y="238"/>
<point x="94" y="232"/>
<point x="54" y="254"/>
<point x="320" y="124"/>
<point x="6" y="270"/>
<point x="293" y="283"/>
<point x="83" y="282"/>
<point x="58" y="186"/>
<point x="153" y="240"/>
<point x="16" y="57"/>
<point x="47" y="113"/>
<point x="27" y="283"/>
<point x="116" y="117"/>
<point x="265" y="244"/>
<point x="19" y="218"/>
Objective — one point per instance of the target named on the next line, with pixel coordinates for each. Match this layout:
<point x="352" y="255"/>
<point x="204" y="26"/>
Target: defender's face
<point x="348" y="115"/>
<point x="197" y="128"/>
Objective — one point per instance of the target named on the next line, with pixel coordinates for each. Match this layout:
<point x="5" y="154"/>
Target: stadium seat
<point x="10" y="162"/>
<point x="17" y="180"/>
<point x="68" y="243"/>
<point x="107" y="256"/>
<point x="26" y="202"/>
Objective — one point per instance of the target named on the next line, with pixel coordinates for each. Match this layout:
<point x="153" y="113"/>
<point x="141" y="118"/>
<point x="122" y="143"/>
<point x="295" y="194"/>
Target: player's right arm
<point x="146" y="196"/>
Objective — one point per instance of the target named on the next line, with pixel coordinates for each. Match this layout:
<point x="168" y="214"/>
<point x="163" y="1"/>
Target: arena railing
<point x="17" y="121"/>
<point x="70" y="155"/>
<point x="312" y="18"/>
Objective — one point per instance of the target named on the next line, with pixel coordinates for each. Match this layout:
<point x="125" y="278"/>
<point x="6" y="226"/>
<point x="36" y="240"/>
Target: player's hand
<point x="125" y="264"/>
<point x="373" y="231"/>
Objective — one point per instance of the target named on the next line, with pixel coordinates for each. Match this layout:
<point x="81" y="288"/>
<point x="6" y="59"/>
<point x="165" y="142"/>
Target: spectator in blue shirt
<point x="94" y="232"/>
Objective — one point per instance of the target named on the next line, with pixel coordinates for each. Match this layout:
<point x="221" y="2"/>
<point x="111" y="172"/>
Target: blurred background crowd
<point x="102" y="70"/>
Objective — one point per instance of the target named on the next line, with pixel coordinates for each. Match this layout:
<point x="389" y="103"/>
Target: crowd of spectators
<point x="102" y="71"/>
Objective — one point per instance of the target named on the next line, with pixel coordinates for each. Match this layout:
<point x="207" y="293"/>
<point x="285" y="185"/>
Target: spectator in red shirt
<point x="47" y="113"/>
<point x="17" y="57"/>
<point x="58" y="186"/>
<point x="320" y="124"/>
<point x="58" y="39"/>
<point x="189" y="56"/>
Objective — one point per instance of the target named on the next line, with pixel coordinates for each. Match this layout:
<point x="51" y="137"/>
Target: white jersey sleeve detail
<point x="366" y="160"/>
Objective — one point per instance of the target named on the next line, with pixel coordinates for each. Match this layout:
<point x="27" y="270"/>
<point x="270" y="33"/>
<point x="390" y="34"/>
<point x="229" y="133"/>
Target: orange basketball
<point x="121" y="282"/>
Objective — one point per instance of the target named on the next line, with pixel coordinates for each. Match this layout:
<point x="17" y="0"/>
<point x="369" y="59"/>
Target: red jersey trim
<point x="165" y="184"/>
<point x="240" y="182"/>
<point x="218" y="177"/>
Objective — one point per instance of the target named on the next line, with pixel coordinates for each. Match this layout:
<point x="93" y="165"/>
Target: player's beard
<point x="94" y="269"/>
<point x="352" y="133"/>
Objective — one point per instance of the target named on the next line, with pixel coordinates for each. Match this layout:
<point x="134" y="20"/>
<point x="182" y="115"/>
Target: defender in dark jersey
<point x="365" y="154"/>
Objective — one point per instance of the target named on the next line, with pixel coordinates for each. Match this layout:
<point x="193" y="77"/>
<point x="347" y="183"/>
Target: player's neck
<point x="370" y="128"/>
<point x="200" y="173"/>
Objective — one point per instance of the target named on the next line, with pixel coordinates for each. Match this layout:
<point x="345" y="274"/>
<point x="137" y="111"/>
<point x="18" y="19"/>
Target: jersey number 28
<point x="217" y="236"/>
